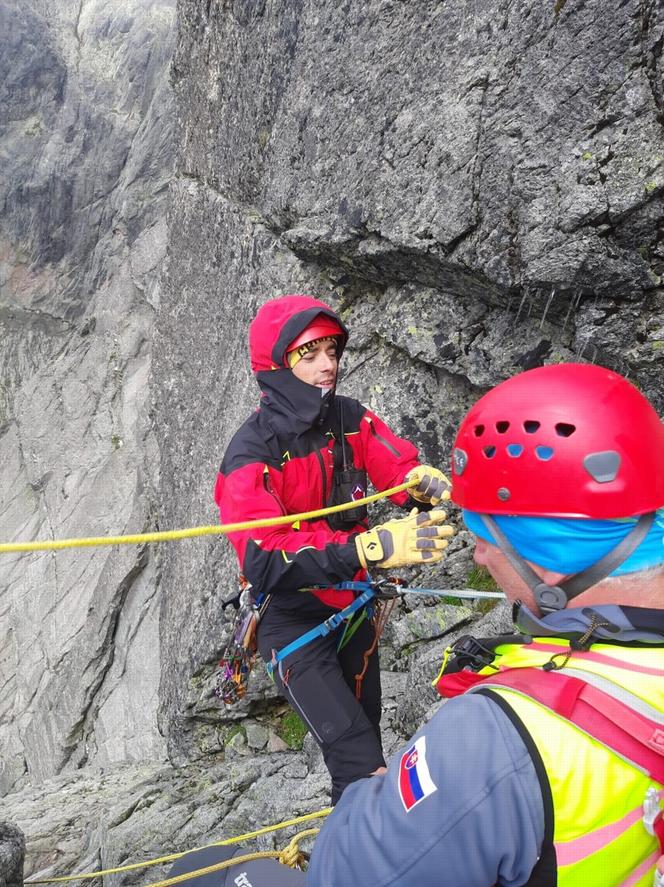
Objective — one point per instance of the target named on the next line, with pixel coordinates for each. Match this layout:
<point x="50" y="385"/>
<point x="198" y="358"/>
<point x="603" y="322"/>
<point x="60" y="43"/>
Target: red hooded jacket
<point x="281" y="459"/>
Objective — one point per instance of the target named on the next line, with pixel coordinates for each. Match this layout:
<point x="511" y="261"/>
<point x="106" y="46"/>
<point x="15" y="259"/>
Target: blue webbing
<point x="330" y="624"/>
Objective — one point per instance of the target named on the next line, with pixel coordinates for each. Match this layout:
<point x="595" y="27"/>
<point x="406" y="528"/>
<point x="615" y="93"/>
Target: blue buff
<point x="569" y="545"/>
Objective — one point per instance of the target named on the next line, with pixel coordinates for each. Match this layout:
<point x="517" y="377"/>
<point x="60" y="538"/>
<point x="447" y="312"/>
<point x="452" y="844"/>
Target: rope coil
<point x="291" y="856"/>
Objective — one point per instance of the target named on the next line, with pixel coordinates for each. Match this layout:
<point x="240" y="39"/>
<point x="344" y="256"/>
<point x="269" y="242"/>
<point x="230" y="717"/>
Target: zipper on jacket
<point x="268" y="489"/>
<point x="381" y="439"/>
<point x="323" y="471"/>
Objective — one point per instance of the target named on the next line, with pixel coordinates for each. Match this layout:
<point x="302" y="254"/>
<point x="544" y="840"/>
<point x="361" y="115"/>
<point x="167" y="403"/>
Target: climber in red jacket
<point x="305" y="448"/>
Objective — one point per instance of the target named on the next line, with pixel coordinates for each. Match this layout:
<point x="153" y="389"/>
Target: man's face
<point x="319" y="365"/>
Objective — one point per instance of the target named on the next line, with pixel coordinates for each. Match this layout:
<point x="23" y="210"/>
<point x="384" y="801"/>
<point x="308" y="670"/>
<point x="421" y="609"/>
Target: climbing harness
<point x="376" y="600"/>
<point x="240" y="652"/>
<point x="329" y="625"/>
<point x="385" y="591"/>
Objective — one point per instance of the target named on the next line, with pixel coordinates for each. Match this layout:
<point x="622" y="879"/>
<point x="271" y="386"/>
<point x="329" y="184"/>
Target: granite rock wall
<point x="86" y="135"/>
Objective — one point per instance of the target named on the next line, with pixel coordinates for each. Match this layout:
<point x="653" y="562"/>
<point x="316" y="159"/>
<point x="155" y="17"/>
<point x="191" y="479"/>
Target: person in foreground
<point x="547" y="768"/>
<point x="306" y="448"/>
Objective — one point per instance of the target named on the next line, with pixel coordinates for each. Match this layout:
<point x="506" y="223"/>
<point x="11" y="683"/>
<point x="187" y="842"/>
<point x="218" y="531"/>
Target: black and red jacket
<point x="281" y="459"/>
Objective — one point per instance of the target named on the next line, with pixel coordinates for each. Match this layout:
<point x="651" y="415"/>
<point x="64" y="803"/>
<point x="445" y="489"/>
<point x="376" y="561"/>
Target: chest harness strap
<point x="611" y="720"/>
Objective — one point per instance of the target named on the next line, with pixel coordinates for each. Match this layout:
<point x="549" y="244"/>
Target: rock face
<point x="129" y="813"/>
<point x="12" y="853"/>
<point x="87" y="154"/>
<point x="477" y="185"/>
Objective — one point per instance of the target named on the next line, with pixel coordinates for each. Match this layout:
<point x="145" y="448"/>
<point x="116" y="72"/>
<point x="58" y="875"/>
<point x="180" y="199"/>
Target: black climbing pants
<point x="319" y="684"/>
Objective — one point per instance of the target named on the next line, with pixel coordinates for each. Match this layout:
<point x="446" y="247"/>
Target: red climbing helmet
<point x="570" y="440"/>
<point x="322" y="327"/>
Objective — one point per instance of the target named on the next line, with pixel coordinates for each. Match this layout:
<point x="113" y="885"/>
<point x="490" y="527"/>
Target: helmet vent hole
<point x="544" y="453"/>
<point x="489" y="452"/>
<point x="530" y="426"/>
<point x="479" y="430"/>
<point x="563" y="429"/>
<point x="501" y="427"/>
<point x="514" y="450"/>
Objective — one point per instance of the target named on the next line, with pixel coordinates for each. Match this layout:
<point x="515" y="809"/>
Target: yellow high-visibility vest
<point x="602" y="801"/>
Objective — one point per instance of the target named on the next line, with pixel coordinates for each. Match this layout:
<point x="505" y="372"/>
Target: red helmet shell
<point x="570" y="440"/>
<point x="321" y="328"/>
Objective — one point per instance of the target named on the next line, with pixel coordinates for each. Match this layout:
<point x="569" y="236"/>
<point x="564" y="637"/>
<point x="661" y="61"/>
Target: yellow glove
<point x="432" y="485"/>
<point x="416" y="539"/>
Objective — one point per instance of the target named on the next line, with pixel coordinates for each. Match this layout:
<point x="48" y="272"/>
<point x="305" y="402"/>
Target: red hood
<point x="277" y="323"/>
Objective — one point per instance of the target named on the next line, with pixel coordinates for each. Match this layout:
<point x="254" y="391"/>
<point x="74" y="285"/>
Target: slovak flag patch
<point x="415" y="782"/>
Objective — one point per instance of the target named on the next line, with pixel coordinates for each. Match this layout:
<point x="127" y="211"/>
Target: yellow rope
<point x="226" y="864"/>
<point x="171" y="857"/>
<point x="291" y="856"/>
<point x="217" y="529"/>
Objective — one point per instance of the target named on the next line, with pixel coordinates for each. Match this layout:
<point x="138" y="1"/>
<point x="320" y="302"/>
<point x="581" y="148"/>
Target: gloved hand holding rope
<point x="432" y="485"/>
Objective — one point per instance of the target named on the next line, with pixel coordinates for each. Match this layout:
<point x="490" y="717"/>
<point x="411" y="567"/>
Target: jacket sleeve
<point x="471" y="814"/>
<point x="280" y="558"/>
<point x="386" y="457"/>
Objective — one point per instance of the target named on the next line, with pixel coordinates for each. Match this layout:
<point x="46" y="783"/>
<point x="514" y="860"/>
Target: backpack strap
<point x="608" y="719"/>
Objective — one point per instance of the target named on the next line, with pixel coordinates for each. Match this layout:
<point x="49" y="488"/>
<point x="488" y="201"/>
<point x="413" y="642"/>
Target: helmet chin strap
<point x="556" y="597"/>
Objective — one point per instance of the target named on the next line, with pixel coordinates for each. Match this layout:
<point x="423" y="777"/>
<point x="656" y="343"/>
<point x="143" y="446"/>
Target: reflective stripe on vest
<point x="598" y="775"/>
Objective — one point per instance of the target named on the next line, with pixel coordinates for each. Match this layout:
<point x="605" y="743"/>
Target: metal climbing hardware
<point x="240" y="652"/>
<point x="653" y="821"/>
<point x="469" y="653"/>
